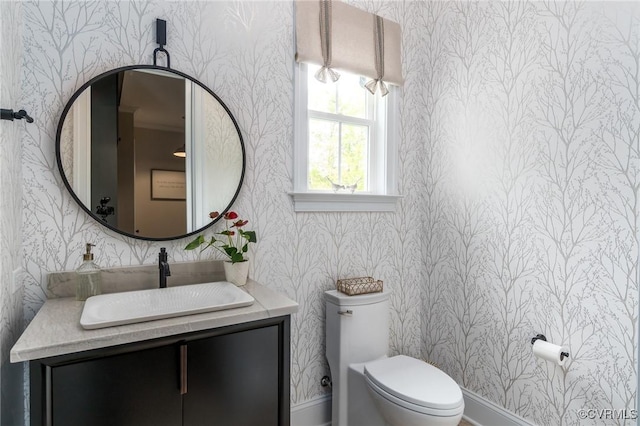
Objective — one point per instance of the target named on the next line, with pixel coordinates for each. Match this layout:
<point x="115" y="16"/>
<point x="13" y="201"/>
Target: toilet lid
<point x="415" y="381"/>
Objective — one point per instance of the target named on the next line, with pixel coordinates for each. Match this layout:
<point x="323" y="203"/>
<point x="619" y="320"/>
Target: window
<point x="344" y="145"/>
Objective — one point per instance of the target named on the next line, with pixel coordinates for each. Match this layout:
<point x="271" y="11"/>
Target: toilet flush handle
<point x="348" y="312"/>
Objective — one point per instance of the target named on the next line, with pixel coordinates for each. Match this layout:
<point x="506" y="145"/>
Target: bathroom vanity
<point x="227" y="367"/>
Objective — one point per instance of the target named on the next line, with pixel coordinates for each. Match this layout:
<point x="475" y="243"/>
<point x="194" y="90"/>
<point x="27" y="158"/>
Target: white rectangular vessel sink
<point x="108" y="310"/>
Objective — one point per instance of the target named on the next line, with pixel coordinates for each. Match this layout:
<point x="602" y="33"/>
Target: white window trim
<point x="305" y="200"/>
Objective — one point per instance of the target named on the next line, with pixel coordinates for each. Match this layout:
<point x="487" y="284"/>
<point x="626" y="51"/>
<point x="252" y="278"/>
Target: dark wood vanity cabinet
<point x="235" y="375"/>
<point x="137" y="388"/>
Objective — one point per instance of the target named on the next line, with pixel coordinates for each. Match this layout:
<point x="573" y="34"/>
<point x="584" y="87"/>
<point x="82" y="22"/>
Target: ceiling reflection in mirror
<point x="149" y="152"/>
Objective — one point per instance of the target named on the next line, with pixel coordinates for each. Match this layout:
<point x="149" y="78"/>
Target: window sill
<point x="331" y="202"/>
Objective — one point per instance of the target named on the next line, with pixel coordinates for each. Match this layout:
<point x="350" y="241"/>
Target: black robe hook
<point x="8" y="114"/>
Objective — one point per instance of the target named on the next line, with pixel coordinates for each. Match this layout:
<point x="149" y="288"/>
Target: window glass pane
<point x="335" y="158"/>
<point x="322" y="96"/>
<point x="352" y="100"/>
<point x="324" y="154"/>
<point x="347" y="96"/>
<point x="354" y="158"/>
<point x="339" y="149"/>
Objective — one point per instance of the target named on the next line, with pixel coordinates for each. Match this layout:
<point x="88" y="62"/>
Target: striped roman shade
<point x="353" y="38"/>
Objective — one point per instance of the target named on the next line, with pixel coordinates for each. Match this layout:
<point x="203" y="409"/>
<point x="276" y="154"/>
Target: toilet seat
<point x="415" y="385"/>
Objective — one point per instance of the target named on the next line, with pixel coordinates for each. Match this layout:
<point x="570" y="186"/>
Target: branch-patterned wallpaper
<point x="11" y="319"/>
<point x="518" y="162"/>
<point x="531" y="174"/>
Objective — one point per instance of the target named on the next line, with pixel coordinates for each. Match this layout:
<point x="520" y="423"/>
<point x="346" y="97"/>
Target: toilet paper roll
<point x="549" y="351"/>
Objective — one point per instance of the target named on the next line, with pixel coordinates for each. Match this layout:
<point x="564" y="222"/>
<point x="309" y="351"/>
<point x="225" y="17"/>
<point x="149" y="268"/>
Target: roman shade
<point x="333" y="34"/>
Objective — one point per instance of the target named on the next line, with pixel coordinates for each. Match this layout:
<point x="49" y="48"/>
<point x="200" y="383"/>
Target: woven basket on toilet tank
<point x="360" y="285"/>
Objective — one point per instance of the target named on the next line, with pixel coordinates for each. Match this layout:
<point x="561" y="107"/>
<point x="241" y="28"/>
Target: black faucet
<point x="163" y="265"/>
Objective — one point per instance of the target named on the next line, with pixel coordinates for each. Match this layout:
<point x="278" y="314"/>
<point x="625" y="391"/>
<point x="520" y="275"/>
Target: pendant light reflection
<point x="180" y="152"/>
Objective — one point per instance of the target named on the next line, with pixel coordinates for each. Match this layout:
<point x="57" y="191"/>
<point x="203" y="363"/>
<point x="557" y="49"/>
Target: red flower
<point x="236" y="239"/>
<point x="230" y="215"/>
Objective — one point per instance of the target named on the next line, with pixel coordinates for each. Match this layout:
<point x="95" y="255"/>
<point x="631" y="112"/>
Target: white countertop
<point x="56" y="329"/>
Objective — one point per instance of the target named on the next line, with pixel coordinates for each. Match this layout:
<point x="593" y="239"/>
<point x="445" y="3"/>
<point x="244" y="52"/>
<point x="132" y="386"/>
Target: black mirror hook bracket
<point x="9" y="114"/>
<point x="161" y="39"/>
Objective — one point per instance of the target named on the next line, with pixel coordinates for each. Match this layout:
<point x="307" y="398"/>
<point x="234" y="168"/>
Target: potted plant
<point x="233" y="242"/>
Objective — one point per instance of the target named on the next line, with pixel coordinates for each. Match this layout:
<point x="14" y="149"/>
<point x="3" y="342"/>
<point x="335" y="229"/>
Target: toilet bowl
<point x="410" y="392"/>
<point x="371" y="389"/>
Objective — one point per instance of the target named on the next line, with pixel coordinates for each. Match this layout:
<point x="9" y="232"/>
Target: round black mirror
<point x="149" y="152"/>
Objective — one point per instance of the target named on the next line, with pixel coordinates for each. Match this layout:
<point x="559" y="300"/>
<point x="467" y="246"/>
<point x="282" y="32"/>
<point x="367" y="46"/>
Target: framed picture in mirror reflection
<point x="168" y="185"/>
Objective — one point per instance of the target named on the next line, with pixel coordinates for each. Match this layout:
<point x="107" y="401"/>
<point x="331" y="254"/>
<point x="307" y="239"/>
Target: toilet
<point x="372" y="389"/>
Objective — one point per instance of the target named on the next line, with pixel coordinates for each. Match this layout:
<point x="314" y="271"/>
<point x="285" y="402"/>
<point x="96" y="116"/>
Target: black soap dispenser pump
<point x="89" y="281"/>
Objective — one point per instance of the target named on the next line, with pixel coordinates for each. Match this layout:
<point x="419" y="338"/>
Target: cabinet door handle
<point x="183" y="369"/>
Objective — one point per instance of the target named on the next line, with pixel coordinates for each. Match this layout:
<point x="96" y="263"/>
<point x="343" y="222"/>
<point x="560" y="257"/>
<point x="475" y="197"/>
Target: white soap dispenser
<point x="89" y="277"/>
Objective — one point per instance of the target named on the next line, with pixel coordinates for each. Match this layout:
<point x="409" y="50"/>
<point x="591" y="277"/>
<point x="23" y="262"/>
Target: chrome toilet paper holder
<point x="542" y="337"/>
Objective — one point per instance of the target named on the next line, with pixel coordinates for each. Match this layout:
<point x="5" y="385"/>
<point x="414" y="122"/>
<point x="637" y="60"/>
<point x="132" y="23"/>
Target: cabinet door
<point x="233" y="379"/>
<point x="137" y="389"/>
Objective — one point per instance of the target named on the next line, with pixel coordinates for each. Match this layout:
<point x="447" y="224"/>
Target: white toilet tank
<point x="357" y="331"/>
<point x="357" y="327"/>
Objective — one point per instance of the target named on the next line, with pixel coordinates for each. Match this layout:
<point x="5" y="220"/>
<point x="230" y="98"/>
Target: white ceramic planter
<point x="237" y="273"/>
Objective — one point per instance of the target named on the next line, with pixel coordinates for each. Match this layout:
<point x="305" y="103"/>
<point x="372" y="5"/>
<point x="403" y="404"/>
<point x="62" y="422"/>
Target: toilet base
<point x="362" y="410"/>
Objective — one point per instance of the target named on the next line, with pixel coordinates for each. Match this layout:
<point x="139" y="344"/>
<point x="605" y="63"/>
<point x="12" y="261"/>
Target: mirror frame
<point x="67" y="184"/>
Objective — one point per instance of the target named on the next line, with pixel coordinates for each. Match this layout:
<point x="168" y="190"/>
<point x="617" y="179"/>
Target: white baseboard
<point x="314" y="412"/>
<point x="477" y="410"/>
<point x="480" y="411"/>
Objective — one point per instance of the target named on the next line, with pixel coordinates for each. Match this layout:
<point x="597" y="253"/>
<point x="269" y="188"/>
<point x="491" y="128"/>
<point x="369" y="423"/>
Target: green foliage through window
<point x="340" y="126"/>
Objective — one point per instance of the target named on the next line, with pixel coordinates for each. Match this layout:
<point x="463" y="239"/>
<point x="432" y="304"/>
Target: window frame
<point x="382" y="196"/>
